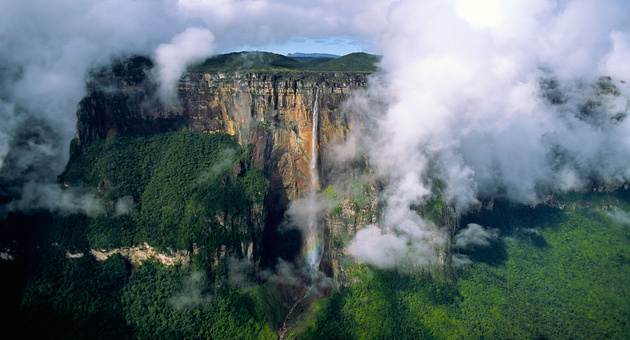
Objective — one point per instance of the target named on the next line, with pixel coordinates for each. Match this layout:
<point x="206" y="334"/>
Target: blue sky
<point x="332" y="45"/>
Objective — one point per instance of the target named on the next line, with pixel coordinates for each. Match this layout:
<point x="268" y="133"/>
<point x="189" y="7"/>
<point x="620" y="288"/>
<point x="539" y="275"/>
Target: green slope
<point x="555" y="274"/>
<point x="179" y="182"/>
<point x="265" y="61"/>
<point x="353" y="62"/>
<point x="176" y="181"/>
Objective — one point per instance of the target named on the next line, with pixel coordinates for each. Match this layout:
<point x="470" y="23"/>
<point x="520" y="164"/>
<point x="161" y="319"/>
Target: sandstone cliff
<point x="272" y="111"/>
<point x="269" y="112"/>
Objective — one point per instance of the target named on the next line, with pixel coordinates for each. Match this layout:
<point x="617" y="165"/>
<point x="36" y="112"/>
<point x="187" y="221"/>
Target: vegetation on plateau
<point x="264" y="61"/>
<point x="181" y="188"/>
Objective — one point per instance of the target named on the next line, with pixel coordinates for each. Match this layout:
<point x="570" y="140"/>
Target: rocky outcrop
<point x="121" y="100"/>
<point x="357" y="206"/>
<point x="137" y="255"/>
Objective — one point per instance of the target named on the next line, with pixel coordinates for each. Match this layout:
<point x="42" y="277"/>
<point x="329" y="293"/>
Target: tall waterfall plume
<point x="313" y="163"/>
<point x="314" y="245"/>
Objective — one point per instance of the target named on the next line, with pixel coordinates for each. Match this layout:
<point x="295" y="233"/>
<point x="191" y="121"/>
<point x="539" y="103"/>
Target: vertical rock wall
<point x="269" y="112"/>
<point x="272" y="111"/>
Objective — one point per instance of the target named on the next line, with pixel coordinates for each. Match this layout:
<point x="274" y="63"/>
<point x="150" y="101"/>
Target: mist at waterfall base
<point x="307" y="215"/>
<point x="492" y="100"/>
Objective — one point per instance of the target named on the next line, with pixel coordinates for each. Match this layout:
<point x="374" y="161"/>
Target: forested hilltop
<point x="265" y="61"/>
<point x="192" y="233"/>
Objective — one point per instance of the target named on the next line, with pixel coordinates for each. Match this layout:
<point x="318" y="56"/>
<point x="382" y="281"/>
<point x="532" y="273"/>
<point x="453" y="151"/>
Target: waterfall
<point x="313" y="163"/>
<point x="314" y="241"/>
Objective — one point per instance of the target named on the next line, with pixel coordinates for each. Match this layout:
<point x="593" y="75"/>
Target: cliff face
<point x="272" y="111"/>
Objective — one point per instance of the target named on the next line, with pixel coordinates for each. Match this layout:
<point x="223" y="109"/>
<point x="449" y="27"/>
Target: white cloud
<point x="462" y="83"/>
<point x="191" y="45"/>
<point x="192" y="295"/>
<point x="396" y="249"/>
<point x="382" y="249"/>
<point x="54" y="198"/>
<point x="123" y="206"/>
<point x="475" y="235"/>
<point x="620" y="216"/>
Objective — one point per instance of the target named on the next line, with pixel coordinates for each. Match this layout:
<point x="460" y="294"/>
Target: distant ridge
<point x="266" y="61"/>
<point x="353" y="62"/>
<point x="313" y="55"/>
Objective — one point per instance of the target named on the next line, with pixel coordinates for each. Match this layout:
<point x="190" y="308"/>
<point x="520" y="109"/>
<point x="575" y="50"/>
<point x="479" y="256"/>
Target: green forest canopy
<point x="554" y="273"/>
<point x="266" y="61"/>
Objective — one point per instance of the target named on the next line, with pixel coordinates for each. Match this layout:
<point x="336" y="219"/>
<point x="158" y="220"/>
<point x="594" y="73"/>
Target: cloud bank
<point x="494" y="99"/>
